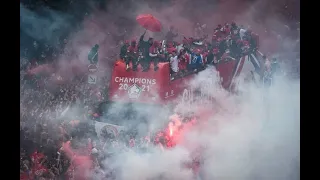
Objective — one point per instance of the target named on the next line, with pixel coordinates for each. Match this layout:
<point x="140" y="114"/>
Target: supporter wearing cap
<point x="234" y="28"/>
<point x="184" y="59"/>
<point x="170" y="48"/>
<point x="226" y="29"/>
<point x="235" y="33"/>
<point x="132" y="55"/>
<point x="154" y="53"/>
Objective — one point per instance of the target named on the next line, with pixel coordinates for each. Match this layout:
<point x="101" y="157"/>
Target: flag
<point x="110" y="128"/>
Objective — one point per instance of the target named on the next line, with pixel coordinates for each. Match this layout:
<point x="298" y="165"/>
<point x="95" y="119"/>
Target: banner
<point x="101" y="127"/>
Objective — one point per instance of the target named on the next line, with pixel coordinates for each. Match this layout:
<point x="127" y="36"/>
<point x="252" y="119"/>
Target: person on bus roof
<point x="227" y="29"/>
<point x="214" y="41"/>
<point x="222" y="45"/>
<point x="179" y="48"/>
<point x="216" y="56"/>
<point x="196" y="61"/>
<point x="245" y="47"/>
<point x="227" y="56"/>
<point x="238" y="51"/>
<point x="210" y="57"/>
<point x="171" y="48"/>
<point x="186" y="42"/>
<point x="132" y="55"/>
<point x="174" y="62"/>
<point x="218" y="28"/>
<point x="123" y="50"/>
<point x="154" y="53"/>
<point x="254" y="42"/>
<point x="234" y="29"/>
<point x="143" y="47"/>
<point x="184" y="59"/>
<point x="242" y="33"/>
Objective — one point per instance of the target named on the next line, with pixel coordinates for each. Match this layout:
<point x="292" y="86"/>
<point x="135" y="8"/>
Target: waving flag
<point x="101" y="127"/>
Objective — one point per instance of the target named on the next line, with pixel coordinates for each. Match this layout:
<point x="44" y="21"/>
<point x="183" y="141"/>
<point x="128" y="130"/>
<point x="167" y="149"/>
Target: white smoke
<point x="165" y="164"/>
<point x="251" y="135"/>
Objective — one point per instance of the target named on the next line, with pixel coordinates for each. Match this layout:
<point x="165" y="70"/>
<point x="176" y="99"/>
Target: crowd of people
<point x="44" y="100"/>
<point x="228" y="42"/>
<point x="55" y="147"/>
<point x="49" y="139"/>
<point x="46" y="130"/>
<point x="40" y="111"/>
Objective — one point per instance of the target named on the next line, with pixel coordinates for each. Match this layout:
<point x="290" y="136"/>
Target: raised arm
<point x="142" y="36"/>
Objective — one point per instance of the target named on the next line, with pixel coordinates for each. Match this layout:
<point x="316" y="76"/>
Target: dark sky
<point x="75" y="10"/>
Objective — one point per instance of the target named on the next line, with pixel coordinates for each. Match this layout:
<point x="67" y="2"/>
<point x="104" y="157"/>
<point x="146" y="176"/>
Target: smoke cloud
<point x="251" y="135"/>
<point x="44" y="26"/>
